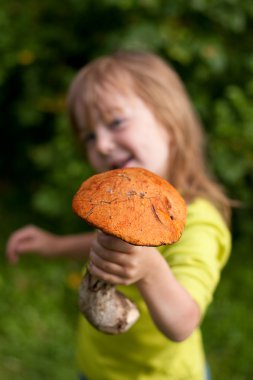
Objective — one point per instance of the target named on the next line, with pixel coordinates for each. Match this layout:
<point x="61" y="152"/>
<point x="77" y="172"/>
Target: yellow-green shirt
<point x="143" y="352"/>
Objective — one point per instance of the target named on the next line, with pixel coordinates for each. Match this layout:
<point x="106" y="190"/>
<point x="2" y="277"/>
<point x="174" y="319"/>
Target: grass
<point x="228" y="327"/>
<point x="38" y="313"/>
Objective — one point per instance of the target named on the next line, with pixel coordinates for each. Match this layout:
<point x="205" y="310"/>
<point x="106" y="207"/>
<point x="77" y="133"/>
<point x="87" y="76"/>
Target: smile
<point x="121" y="164"/>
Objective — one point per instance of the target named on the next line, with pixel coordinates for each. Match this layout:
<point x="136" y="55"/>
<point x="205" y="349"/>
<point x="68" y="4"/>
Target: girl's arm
<point x="172" y="309"/>
<point x="33" y="240"/>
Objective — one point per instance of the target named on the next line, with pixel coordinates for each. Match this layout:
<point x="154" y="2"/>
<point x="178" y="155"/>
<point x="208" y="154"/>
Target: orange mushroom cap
<point x="132" y="204"/>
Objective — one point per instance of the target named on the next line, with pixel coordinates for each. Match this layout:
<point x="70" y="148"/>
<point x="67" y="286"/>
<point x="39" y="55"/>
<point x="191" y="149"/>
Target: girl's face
<point x="125" y="133"/>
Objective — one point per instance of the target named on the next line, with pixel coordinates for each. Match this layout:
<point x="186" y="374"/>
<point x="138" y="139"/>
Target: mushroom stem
<point x="104" y="307"/>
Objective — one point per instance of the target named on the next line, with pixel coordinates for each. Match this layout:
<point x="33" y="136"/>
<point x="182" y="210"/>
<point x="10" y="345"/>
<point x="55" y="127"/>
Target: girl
<point x="130" y="109"/>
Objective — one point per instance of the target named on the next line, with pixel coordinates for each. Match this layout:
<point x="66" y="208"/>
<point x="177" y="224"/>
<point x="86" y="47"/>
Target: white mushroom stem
<point x="104" y="307"/>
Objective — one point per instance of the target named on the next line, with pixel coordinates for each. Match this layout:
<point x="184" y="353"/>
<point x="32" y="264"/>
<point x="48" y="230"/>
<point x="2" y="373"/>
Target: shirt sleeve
<point x="199" y="256"/>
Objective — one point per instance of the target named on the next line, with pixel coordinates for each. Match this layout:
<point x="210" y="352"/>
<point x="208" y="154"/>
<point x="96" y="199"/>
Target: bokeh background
<point x="42" y="45"/>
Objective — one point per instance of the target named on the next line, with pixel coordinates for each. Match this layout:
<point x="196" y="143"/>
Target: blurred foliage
<point x="42" y="44"/>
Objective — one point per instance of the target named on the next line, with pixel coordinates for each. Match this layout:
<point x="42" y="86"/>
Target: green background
<point x="42" y="45"/>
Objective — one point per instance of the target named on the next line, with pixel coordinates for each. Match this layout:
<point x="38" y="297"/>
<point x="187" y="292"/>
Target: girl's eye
<point x="89" y="137"/>
<point x="115" y="123"/>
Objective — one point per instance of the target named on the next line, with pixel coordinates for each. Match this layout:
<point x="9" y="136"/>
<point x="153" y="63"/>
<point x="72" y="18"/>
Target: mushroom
<point x="138" y="207"/>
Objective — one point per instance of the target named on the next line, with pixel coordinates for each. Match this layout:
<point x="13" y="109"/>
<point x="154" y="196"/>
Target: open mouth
<point x="122" y="164"/>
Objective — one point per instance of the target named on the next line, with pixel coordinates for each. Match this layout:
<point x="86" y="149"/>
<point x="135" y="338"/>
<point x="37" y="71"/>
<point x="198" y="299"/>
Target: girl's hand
<point x="31" y="239"/>
<point x="118" y="262"/>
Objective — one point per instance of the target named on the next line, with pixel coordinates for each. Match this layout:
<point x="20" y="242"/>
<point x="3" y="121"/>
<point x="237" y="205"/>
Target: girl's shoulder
<point x="206" y="225"/>
<point x="202" y="210"/>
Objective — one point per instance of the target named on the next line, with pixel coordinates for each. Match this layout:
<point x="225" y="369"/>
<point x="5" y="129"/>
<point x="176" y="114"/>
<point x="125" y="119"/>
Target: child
<point x="130" y="109"/>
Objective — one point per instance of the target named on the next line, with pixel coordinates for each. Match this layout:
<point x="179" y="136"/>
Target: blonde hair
<point x="159" y="86"/>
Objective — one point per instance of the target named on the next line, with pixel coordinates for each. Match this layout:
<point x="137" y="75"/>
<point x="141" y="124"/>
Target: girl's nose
<point x="104" y="141"/>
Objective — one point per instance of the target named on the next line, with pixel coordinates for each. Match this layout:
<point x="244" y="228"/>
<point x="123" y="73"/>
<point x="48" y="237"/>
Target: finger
<point x="120" y="258"/>
<point x="26" y="243"/>
<point x="11" y="251"/>
<point x="20" y="241"/>
<point x="105" y="265"/>
<point x="23" y="233"/>
<point x="107" y="277"/>
<point x="12" y="256"/>
<point x="113" y="243"/>
<point x="19" y="249"/>
<point x="26" y="246"/>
